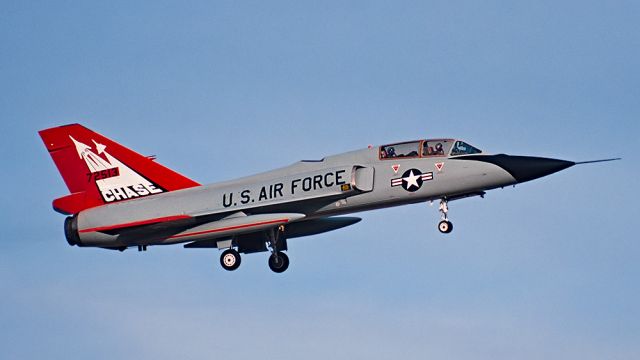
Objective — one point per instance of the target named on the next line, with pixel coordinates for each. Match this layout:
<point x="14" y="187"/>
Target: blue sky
<point x="219" y="90"/>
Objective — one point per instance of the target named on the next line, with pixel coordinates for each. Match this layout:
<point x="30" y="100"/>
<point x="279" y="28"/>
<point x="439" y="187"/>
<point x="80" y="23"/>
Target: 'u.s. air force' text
<point x="277" y="190"/>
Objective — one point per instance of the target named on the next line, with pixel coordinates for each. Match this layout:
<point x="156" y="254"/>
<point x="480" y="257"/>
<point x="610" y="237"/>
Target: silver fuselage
<point x="336" y="185"/>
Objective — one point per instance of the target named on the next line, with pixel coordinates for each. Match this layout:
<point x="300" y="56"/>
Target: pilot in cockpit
<point x="439" y="150"/>
<point x="391" y="152"/>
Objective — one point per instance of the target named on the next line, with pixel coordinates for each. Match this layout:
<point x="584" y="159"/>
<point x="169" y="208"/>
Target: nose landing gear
<point x="445" y="226"/>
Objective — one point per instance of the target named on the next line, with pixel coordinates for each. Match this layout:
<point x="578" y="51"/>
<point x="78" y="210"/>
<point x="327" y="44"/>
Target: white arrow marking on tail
<point x="127" y="185"/>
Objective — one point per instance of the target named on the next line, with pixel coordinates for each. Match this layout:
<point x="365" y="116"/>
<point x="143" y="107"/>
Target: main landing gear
<point x="278" y="261"/>
<point x="230" y="259"/>
<point x="445" y="226"/>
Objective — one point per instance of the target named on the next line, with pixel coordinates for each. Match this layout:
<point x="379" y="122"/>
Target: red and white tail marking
<point x="115" y="180"/>
<point x="104" y="172"/>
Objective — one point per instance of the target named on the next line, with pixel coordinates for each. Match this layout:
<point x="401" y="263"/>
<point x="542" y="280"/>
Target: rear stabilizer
<point x="98" y="170"/>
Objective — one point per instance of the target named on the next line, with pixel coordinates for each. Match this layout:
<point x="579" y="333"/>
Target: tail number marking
<point x="103" y="174"/>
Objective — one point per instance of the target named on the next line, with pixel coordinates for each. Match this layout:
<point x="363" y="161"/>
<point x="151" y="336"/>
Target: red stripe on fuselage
<point x="136" y="223"/>
<point x="230" y="228"/>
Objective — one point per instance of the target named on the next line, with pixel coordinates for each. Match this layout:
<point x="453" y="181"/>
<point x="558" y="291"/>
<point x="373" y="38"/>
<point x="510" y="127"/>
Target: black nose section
<point x="524" y="168"/>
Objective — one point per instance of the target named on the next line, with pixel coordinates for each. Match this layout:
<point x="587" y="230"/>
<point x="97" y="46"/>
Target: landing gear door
<point x="362" y="178"/>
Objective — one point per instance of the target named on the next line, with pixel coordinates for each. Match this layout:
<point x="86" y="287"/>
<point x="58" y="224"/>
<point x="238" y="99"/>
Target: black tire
<point x="445" y="226"/>
<point x="230" y="259"/>
<point x="278" y="262"/>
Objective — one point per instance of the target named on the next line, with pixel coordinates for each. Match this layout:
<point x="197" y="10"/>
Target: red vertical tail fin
<point x="98" y="170"/>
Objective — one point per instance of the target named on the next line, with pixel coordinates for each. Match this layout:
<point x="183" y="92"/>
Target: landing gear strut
<point x="445" y="226"/>
<point x="230" y="259"/>
<point x="278" y="261"/>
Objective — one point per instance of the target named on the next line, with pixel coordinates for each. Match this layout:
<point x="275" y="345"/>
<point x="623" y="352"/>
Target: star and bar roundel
<point x="412" y="179"/>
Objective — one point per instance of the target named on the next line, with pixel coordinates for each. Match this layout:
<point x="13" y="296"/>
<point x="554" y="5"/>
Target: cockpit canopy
<point x="427" y="148"/>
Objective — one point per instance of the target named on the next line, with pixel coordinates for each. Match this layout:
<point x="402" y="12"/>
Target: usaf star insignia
<point x="412" y="179"/>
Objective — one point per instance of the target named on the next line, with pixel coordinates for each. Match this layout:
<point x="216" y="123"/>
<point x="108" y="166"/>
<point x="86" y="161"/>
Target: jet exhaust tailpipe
<point x="71" y="231"/>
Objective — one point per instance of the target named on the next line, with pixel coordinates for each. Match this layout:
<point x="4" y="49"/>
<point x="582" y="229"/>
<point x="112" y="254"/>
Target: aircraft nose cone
<point x="525" y="168"/>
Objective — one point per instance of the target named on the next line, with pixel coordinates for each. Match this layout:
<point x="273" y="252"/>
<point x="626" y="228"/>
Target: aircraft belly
<point x="99" y="239"/>
<point x="293" y="230"/>
<point x="318" y="226"/>
<point x="214" y="229"/>
<point x="232" y="226"/>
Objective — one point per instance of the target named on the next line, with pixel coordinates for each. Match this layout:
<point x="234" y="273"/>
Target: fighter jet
<point x="121" y="199"/>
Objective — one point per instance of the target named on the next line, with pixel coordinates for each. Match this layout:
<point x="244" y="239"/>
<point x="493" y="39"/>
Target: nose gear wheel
<point x="444" y="226"/>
